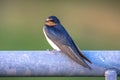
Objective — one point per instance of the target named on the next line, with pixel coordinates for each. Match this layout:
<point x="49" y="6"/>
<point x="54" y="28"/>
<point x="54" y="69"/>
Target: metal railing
<point x="54" y="63"/>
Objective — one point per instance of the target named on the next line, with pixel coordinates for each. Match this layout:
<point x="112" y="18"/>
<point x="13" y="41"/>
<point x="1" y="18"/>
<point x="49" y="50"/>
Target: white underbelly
<point x="54" y="46"/>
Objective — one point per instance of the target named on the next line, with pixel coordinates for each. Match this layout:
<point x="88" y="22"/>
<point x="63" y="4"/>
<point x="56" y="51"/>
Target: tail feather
<point x="84" y="57"/>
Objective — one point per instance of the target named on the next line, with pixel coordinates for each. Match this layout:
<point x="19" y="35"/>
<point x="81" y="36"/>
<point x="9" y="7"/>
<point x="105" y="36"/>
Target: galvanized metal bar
<point x="110" y="75"/>
<point x="54" y="63"/>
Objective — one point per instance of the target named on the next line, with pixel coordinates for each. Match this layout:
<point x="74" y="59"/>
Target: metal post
<point x="110" y="75"/>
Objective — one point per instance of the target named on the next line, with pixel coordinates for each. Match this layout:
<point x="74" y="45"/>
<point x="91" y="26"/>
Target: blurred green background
<point x="93" y="25"/>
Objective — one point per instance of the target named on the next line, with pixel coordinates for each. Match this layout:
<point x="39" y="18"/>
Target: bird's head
<point x="52" y="21"/>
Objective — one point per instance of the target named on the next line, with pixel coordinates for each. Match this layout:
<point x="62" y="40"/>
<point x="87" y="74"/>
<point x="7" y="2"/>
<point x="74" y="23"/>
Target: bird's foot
<point x="54" y="51"/>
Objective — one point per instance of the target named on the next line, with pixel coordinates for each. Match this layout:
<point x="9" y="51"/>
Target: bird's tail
<point x="85" y="57"/>
<point x="80" y="59"/>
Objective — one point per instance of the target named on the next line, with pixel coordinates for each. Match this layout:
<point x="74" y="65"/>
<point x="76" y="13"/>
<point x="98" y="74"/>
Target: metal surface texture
<point x="54" y="63"/>
<point x="110" y="75"/>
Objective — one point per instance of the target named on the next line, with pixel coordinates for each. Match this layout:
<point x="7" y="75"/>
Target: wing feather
<point x="69" y="52"/>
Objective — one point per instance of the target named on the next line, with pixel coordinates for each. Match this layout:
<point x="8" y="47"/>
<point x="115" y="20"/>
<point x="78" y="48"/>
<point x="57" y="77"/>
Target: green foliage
<point x="91" y="25"/>
<point x="52" y="78"/>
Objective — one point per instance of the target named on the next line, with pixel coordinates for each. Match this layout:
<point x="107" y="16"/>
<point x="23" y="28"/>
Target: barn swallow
<point x="60" y="40"/>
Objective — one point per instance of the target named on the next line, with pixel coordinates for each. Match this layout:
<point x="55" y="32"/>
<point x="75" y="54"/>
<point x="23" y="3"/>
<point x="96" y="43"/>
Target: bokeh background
<point x="93" y="25"/>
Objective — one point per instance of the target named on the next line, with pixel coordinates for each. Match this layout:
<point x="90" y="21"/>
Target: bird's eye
<point x="50" y="20"/>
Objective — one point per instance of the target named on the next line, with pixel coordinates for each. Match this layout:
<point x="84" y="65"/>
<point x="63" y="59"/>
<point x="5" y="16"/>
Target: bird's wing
<point x="70" y="52"/>
<point x="68" y="47"/>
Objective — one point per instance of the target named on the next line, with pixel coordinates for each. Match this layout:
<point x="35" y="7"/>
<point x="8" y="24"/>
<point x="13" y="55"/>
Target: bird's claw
<point x="54" y="51"/>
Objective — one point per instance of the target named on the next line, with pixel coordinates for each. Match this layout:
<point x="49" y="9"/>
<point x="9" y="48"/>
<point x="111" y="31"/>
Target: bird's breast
<point x="54" y="46"/>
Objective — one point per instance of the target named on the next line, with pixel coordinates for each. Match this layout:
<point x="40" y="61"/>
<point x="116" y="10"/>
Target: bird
<point x="60" y="40"/>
